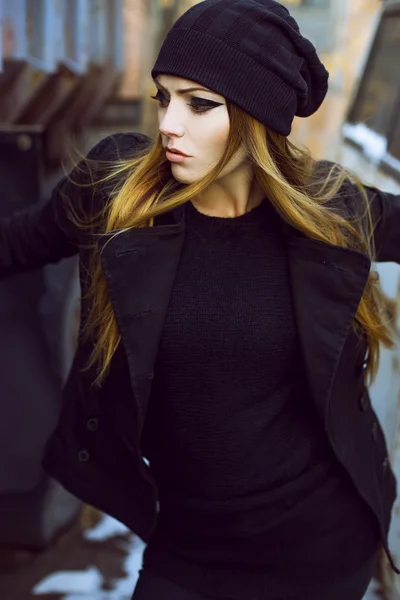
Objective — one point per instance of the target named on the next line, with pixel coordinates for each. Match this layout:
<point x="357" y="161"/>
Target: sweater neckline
<point x="229" y="223"/>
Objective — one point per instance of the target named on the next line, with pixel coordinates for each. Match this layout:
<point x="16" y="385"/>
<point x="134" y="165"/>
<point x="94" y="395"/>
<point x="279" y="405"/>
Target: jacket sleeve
<point x="45" y="233"/>
<point x="385" y="210"/>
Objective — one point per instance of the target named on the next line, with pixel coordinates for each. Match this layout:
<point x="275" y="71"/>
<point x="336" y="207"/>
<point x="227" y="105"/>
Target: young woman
<point x="217" y="403"/>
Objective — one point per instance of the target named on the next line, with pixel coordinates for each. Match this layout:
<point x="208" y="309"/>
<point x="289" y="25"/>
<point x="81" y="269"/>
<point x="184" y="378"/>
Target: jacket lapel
<point x="140" y="266"/>
<point x="327" y="285"/>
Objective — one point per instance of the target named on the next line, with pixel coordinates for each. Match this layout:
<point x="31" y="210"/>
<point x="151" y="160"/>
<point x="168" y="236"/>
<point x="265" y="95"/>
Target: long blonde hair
<point x="287" y="174"/>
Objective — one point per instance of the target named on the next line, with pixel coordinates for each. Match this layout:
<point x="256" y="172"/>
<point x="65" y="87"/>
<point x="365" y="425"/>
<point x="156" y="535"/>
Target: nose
<point x="171" y="123"/>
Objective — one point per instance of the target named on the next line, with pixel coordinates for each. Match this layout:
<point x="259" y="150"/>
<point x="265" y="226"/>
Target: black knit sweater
<point x="251" y="495"/>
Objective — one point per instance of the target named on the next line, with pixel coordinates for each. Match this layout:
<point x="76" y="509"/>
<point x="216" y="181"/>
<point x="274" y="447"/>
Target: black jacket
<point x="95" y="451"/>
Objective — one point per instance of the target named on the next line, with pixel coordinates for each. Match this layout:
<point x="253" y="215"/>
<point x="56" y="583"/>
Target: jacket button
<point x="359" y="369"/>
<point x="385" y="464"/>
<point x="92" y="424"/>
<point x="364" y="401"/>
<point x="83" y="455"/>
<point x="374" y="430"/>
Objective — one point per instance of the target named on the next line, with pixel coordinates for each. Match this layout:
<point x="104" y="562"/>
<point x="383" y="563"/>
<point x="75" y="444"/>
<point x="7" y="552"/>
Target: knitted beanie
<point x="252" y="53"/>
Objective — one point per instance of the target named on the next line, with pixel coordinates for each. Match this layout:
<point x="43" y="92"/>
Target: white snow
<point x="373" y="144"/>
<point x="82" y="582"/>
<point x="107" y="528"/>
<point x="87" y="585"/>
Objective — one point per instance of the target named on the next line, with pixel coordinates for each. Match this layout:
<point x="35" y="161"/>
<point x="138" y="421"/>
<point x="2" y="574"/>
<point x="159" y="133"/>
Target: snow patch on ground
<point x="87" y="585"/>
<point x="82" y="582"/>
<point x="105" y="529"/>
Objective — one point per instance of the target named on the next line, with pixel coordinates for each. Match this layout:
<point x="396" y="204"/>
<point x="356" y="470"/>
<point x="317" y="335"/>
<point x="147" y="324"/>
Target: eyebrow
<point x="186" y="90"/>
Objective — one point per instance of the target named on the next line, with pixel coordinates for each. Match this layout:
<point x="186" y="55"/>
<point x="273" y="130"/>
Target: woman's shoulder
<point x="349" y="193"/>
<point x="119" y="146"/>
<point x="89" y="178"/>
<point x="83" y="193"/>
<point x="364" y="206"/>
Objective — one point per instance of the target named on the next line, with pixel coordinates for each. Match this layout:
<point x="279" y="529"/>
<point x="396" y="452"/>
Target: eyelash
<point x="198" y="108"/>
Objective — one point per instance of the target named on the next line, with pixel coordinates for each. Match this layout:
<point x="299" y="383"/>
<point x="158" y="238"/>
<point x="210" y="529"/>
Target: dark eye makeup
<point x="198" y="105"/>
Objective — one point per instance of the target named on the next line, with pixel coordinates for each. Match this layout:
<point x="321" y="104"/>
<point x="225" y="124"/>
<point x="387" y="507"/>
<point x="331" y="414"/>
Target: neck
<point x="230" y="196"/>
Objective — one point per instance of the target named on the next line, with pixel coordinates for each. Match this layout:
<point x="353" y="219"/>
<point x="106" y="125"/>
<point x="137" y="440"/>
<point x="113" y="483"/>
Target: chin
<point x="183" y="177"/>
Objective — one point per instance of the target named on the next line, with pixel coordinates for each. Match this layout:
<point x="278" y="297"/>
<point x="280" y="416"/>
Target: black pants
<point x="152" y="587"/>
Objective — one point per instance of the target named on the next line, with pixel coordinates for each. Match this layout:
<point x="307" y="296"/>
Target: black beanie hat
<point x="252" y="53"/>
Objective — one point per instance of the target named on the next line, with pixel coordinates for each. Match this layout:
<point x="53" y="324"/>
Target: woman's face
<point x="193" y="120"/>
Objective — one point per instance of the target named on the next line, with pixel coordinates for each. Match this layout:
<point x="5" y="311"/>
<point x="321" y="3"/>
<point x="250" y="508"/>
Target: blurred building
<point x="135" y="16"/>
<point x="352" y="24"/>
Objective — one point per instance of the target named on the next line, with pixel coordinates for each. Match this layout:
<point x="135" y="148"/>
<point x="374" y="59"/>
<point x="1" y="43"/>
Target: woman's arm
<point x="45" y="233"/>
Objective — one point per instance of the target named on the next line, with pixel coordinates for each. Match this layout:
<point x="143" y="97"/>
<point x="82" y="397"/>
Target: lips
<point x="173" y="151"/>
